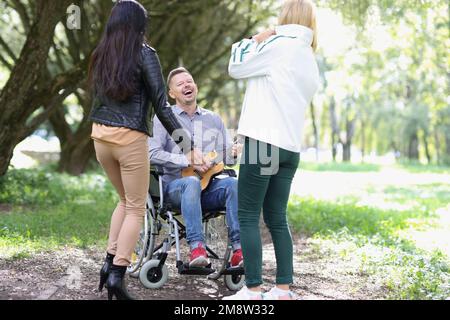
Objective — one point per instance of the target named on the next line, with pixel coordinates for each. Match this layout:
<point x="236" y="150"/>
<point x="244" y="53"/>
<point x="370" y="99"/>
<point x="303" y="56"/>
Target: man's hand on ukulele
<point x="195" y="157"/>
<point x="207" y="164"/>
<point x="198" y="161"/>
<point x="201" y="169"/>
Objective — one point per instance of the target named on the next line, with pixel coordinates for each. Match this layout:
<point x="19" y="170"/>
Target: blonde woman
<point x="282" y="77"/>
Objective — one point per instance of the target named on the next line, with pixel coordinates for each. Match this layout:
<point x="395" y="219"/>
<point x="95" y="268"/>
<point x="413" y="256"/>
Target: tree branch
<point x="22" y="11"/>
<point x="54" y="103"/>
<point x="8" y="49"/>
<point x="51" y="96"/>
<point x="202" y="66"/>
<point x="6" y="63"/>
<point x="69" y="80"/>
<point x="60" y="125"/>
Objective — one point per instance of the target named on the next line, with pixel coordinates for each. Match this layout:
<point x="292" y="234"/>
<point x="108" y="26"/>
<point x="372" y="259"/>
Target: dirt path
<point x="73" y="274"/>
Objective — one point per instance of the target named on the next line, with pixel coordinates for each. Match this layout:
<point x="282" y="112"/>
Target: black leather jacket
<point x="134" y="113"/>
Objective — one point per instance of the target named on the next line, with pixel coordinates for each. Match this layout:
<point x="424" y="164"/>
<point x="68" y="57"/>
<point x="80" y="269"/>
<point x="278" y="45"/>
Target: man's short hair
<point x="176" y="71"/>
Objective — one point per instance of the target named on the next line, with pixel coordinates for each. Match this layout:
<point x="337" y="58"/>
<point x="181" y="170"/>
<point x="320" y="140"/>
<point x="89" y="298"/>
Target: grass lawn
<point x="50" y="210"/>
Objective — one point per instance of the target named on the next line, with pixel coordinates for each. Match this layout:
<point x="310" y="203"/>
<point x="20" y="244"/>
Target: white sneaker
<point x="245" y="294"/>
<point x="280" y="294"/>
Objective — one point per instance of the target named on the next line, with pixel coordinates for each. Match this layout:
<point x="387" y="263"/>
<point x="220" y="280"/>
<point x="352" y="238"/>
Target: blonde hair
<point x="176" y="71"/>
<point x="302" y="12"/>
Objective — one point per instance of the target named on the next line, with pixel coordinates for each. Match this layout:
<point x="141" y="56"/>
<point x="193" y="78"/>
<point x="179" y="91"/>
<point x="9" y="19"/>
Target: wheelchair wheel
<point x="153" y="277"/>
<point x="234" y="282"/>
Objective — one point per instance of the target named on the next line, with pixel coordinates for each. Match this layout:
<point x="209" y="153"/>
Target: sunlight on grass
<point x="367" y="187"/>
<point x="422" y="168"/>
<point x="391" y="227"/>
<point x="340" y="167"/>
<point x="426" y="197"/>
<point x="396" y="236"/>
<point x="313" y="217"/>
<point x="389" y="272"/>
<point x="409" y="167"/>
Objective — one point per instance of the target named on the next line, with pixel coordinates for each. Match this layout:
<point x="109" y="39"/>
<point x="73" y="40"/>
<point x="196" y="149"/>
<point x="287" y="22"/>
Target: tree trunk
<point x="315" y="130"/>
<point x="77" y="149"/>
<point x="76" y="155"/>
<point x="8" y="141"/>
<point x="426" y="146"/>
<point x="363" y="140"/>
<point x="447" y="148"/>
<point x="346" y="154"/>
<point x="19" y="95"/>
<point x="437" y="146"/>
<point x="334" y="129"/>
<point x="347" y="145"/>
<point x="413" y="146"/>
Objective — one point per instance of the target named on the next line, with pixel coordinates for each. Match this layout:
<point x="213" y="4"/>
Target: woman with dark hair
<point x="125" y="76"/>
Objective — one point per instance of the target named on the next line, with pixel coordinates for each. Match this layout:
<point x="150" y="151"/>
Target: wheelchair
<point x="164" y="229"/>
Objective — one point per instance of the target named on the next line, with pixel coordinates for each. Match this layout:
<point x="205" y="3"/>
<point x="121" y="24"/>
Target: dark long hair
<point x="113" y="64"/>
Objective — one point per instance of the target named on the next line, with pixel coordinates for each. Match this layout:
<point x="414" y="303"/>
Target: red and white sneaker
<point x="199" y="258"/>
<point x="245" y="294"/>
<point x="237" y="260"/>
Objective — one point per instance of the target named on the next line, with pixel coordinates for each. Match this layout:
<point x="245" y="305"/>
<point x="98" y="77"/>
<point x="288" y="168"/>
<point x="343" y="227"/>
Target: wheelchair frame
<point x="150" y="265"/>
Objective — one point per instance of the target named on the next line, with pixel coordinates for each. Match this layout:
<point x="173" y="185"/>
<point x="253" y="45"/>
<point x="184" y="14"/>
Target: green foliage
<point x="79" y="224"/>
<point x="40" y="187"/>
<point x="49" y="210"/>
<point x="357" y="11"/>
<point x="418" y="276"/>
<point x="392" y="81"/>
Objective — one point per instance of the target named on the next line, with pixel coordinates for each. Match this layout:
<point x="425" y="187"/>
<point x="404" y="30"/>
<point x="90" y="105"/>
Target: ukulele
<point x="206" y="177"/>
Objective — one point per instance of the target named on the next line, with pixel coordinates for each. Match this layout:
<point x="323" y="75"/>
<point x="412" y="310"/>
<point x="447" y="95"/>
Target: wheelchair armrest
<point x="158" y="170"/>
<point x="230" y="173"/>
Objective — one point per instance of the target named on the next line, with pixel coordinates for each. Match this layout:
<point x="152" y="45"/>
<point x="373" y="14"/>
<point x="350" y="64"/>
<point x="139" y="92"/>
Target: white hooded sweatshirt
<point x="283" y="77"/>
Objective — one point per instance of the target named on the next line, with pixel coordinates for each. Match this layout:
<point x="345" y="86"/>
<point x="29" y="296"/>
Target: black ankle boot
<point x="116" y="284"/>
<point x="104" y="271"/>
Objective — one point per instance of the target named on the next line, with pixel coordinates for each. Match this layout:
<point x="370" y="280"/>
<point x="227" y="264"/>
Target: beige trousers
<point x="127" y="167"/>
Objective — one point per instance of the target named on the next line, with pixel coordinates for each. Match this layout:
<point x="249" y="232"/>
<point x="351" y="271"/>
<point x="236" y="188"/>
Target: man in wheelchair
<point x="185" y="193"/>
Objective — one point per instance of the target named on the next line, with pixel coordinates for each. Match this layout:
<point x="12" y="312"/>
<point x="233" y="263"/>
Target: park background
<point x="370" y="204"/>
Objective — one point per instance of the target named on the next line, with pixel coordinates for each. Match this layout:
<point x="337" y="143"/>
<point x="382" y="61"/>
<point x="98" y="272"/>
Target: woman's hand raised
<point x="262" y="36"/>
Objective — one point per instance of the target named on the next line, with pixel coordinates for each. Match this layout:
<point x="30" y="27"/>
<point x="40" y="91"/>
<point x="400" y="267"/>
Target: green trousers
<point x="265" y="177"/>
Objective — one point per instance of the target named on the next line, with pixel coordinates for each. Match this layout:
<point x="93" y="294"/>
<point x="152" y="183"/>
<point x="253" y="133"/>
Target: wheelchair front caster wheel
<point x="152" y="276"/>
<point x="234" y="282"/>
